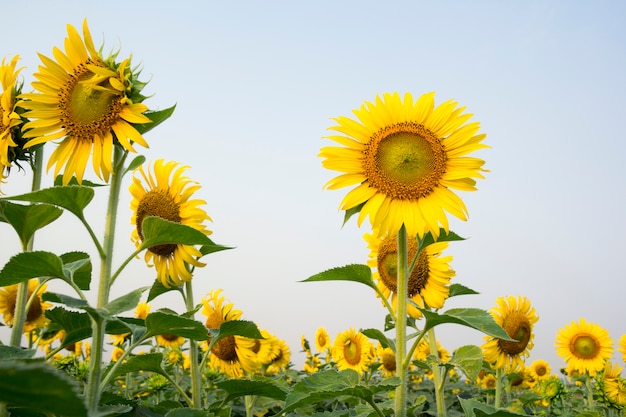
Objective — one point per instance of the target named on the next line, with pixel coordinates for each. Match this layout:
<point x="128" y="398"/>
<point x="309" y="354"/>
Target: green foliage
<point x="353" y="272"/>
<point x="468" y="359"/>
<point x="475" y="408"/>
<point x="471" y="317"/>
<point x="263" y="387"/>
<point x="157" y="117"/>
<point x="164" y="323"/>
<point x="70" y="197"/>
<point x="158" y="231"/>
<point x="27" y="219"/>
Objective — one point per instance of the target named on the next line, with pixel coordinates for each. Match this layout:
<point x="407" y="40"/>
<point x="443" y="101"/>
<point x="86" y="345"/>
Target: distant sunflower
<point x="170" y="340"/>
<point x="428" y="284"/>
<point x="10" y="120"/>
<point x="405" y="158"/>
<point x="422" y="351"/>
<point x="387" y="359"/>
<point x="585" y="346"/>
<point x="142" y="310"/>
<point x="517" y="317"/>
<point x="622" y="347"/>
<point x="322" y="340"/>
<point x="168" y="194"/>
<point x="231" y="355"/>
<point x="539" y="369"/>
<point x="35" y="318"/>
<point x="351" y="350"/>
<point x="89" y="101"/>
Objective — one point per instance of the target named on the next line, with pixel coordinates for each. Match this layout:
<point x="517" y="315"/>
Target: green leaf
<point x="58" y="182"/>
<point x="351" y="212"/>
<point x="458" y="289"/>
<point x="475" y="408"/>
<point x="27" y="219"/>
<point x="263" y="387"/>
<point x="27" y="265"/>
<point x="162" y="323"/>
<point x="475" y="318"/>
<point x="126" y="302"/>
<point x="158" y="289"/>
<point x="328" y="385"/>
<point x="77" y="267"/>
<point x="157" y="231"/>
<point x="380" y="336"/>
<point x="72" y="198"/>
<point x="157" y="117"/>
<point x="354" y="272"/>
<point x="10" y="353"/>
<point x="150" y="362"/>
<point x="234" y="328"/>
<point x="65" y="299"/>
<point x="77" y="325"/>
<point x="444" y="236"/>
<point x="189" y="412"/>
<point x="469" y="359"/>
<point x="213" y="247"/>
<point x="39" y="386"/>
<point x="136" y="163"/>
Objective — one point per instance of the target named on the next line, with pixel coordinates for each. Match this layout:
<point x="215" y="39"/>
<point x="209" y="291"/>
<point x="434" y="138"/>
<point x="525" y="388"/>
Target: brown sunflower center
<point x="34" y="311"/>
<point x="352" y="351"/>
<point x="518" y="327"/>
<point x="388" y="361"/>
<point x="405" y="161"/>
<point x="585" y="346"/>
<point x="160" y="204"/>
<point x="86" y="109"/>
<point x="169" y="337"/>
<point x="541" y="370"/>
<point x="388" y="266"/>
<point x="322" y="340"/>
<point x="225" y="349"/>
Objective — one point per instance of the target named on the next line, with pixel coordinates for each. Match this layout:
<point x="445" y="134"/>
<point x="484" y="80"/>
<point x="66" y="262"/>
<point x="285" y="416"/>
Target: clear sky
<point x="256" y="85"/>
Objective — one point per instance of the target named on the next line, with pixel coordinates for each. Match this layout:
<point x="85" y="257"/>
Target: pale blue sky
<point x="256" y="85"/>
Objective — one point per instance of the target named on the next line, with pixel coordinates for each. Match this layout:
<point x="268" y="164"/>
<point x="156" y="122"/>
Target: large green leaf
<point x="475" y="408"/>
<point x="72" y="198"/>
<point x="234" y="328"/>
<point x="77" y="267"/>
<point x="475" y="318"/>
<point x="9" y="353"/>
<point x="380" y="336"/>
<point x="444" y="236"/>
<point x="149" y="362"/>
<point x="469" y="359"/>
<point x="163" y="323"/>
<point x="157" y="231"/>
<point x="27" y="219"/>
<point x="38" y="386"/>
<point x="354" y="272"/>
<point x="158" y="289"/>
<point x="263" y="387"/>
<point x="157" y="117"/>
<point x="27" y="265"/>
<point x="458" y="289"/>
<point x="125" y="302"/>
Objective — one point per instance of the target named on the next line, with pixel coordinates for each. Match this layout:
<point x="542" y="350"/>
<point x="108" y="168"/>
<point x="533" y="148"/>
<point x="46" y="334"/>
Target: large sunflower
<point x="517" y="317"/>
<point x="352" y="350"/>
<point x="584" y="346"/>
<point x="405" y="158"/>
<point x="231" y="355"/>
<point x="168" y="194"/>
<point x="89" y="101"/>
<point x="428" y="284"/>
<point x="9" y="118"/>
<point x="35" y="318"/>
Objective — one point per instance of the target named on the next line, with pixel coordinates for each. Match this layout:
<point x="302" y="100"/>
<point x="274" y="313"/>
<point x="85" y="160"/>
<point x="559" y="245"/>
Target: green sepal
<point x="353" y="272"/>
<point x="351" y="212"/>
<point x="27" y="219"/>
<point x="444" y="236"/>
<point x="475" y="318"/>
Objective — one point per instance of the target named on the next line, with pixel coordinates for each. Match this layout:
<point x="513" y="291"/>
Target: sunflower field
<point x="404" y="161"/>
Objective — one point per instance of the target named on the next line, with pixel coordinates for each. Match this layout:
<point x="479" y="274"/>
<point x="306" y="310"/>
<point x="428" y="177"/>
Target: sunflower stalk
<point x="401" y="312"/>
<point x="498" y="394"/>
<point x="438" y="376"/>
<point x="196" y="382"/>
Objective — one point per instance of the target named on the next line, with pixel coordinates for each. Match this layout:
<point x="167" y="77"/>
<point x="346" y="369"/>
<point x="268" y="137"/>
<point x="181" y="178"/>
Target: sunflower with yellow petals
<point x="10" y="120"/>
<point x="422" y="351"/>
<point x="282" y="357"/>
<point x="231" y="355"/>
<point x="405" y="158"/>
<point x="35" y="318"/>
<point x="428" y="283"/>
<point x="322" y="340"/>
<point x="387" y="359"/>
<point x="585" y="346"/>
<point x="517" y="317"/>
<point x="622" y="347"/>
<point x="351" y="350"/>
<point x="88" y="101"/>
<point x="171" y="341"/>
<point x="168" y="193"/>
<point x="539" y="369"/>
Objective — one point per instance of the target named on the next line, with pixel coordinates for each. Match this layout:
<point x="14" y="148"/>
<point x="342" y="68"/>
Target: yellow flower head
<point x="539" y="369"/>
<point x="142" y="310"/>
<point x="387" y="359"/>
<point x="10" y="120"/>
<point x="322" y="340"/>
<point x="89" y="102"/>
<point x="170" y="340"/>
<point x="352" y="350"/>
<point x="405" y="159"/>
<point x="280" y="361"/>
<point x="584" y="346"/>
<point x="35" y="318"/>
<point x="168" y="194"/>
<point x="622" y="347"/>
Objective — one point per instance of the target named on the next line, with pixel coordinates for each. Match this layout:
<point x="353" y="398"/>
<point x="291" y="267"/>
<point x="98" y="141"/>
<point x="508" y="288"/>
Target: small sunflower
<point x="611" y="387"/>
<point x="322" y="340"/>
<point x="422" y="351"/>
<point x="517" y="317"/>
<point x="168" y="194"/>
<point x="265" y="349"/>
<point x="351" y="350"/>
<point x="387" y="359"/>
<point x="88" y="101"/>
<point x="405" y="158"/>
<point x="142" y="310"/>
<point x="585" y="346"/>
<point x="35" y="318"/>
<point x="622" y="347"/>
<point x="428" y="284"/>
<point x="231" y="355"/>
<point x="539" y="369"/>
<point x="117" y="354"/>
<point x="551" y="388"/>
<point x="311" y="364"/>
<point x="170" y="340"/>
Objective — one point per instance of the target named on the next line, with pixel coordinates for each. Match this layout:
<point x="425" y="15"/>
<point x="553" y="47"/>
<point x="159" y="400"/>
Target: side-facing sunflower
<point x="352" y="350"/>
<point x="322" y="340"/>
<point x="405" y="158"/>
<point x="387" y="359"/>
<point x="584" y="346"/>
<point x="280" y="361"/>
<point x="10" y="120"/>
<point x="517" y="317"/>
<point x="428" y="284"/>
<point x="231" y="355"/>
<point x="35" y="318"/>
<point x="168" y="194"/>
<point x="89" y="101"/>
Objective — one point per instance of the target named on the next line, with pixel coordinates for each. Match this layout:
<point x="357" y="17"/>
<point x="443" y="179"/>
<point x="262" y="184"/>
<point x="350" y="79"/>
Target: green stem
<point x="249" y="401"/>
<point x="437" y="375"/>
<point x="498" y="399"/>
<point x="196" y="382"/>
<point x="589" y="393"/>
<point x="401" y="311"/>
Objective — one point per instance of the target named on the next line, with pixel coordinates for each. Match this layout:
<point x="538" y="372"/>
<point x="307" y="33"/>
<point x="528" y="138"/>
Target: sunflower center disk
<point x="225" y="349"/>
<point x="405" y="161"/>
<point x="585" y="347"/>
<point x="352" y="352"/>
<point x="517" y="327"/>
<point x="388" y="267"/>
<point x="160" y="204"/>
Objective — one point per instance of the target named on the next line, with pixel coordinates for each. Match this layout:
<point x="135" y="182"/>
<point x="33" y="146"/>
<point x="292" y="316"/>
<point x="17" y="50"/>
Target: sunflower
<point x="35" y="318"/>
<point x="311" y="364"/>
<point x="170" y="340"/>
<point x="551" y="388"/>
<point x="539" y="369"/>
<point x="322" y="340"/>
<point x="265" y="349"/>
<point x="622" y="347"/>
<point x="117" y="354"/>
<point x="10" y="120"/>
<point x="351" y="350"/>
<point x="585" y="346"/>
<point x="168" y="194"/>
<point x="90" y="101"/>
<point x="422" y="351"/>
<point x="280" y="361"/>
<point x="231" y="355"/>
<point x="517" y="317"/>
<point x="142" y="310"/>
<point x="387" y="359"/>
<point x="429" y="279"/>
<point x="405" y="158"/>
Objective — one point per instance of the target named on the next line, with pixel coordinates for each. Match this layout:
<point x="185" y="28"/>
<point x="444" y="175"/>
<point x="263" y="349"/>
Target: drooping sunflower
<point x="428" y="284"/>
<point x="322" y="340"/>
<point x="231" y="355"/>
<point x="405" y="158"/>
<point x="168" y="194"/>
<point x="35" y="318"/>
<point x="539" y="369"/>
<point x="88" y="101"/>
<point x="517" y="317"/>
<point x="585" y="346"/>
<point x="351" y="350"/>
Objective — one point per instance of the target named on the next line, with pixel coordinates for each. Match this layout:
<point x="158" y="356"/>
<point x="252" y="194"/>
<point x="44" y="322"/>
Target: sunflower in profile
<point x="387" y="359"/>
<point x="611" y="387"/>
<point x="282" y="357"/>
<point x="585" y="346"/>
<point x="90" y="102"/>
<point x="428" y="284"/>
<point x="405" y="158"/>
<point x="231" y="355"/>
<point x="539" y="369"/>
<point x="168" y="194"/>
<point x="517" y="317"/>
<point x="322" y="340"/>
<point x="35" y="318"/>
<point x="351" y="350"/>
